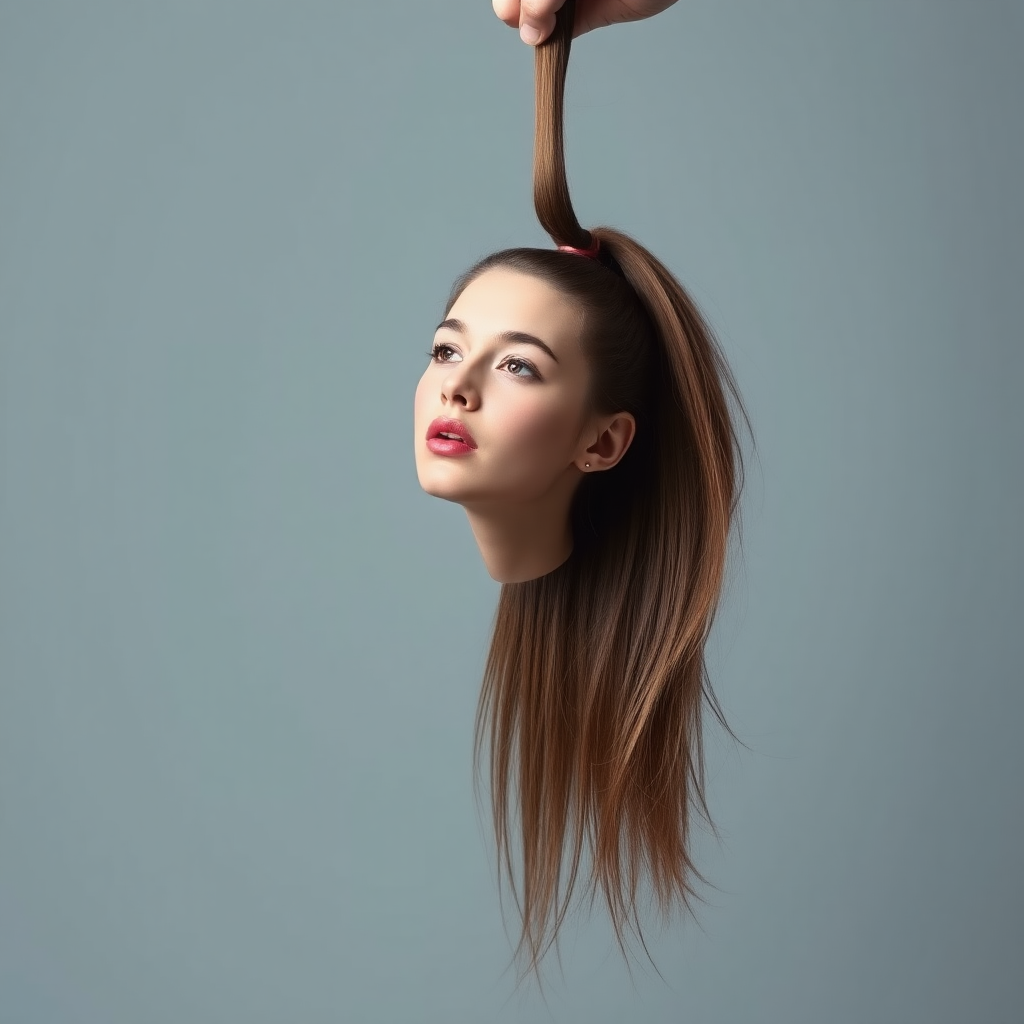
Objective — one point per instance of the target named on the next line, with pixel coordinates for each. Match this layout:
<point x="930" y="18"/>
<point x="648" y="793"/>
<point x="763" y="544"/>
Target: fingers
<point x="507" y="11"/>
<point x="535" y="19"/>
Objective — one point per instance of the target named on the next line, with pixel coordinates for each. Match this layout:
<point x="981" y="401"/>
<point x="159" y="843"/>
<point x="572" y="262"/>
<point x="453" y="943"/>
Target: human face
<point x="523" y="406"/>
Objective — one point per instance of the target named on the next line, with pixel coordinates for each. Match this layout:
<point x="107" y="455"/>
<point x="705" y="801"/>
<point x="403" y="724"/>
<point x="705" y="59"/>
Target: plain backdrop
<point x="240" y="649"/>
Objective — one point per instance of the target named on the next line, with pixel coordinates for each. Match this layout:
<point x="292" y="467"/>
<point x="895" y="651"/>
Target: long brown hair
<point x="595" y="680"/>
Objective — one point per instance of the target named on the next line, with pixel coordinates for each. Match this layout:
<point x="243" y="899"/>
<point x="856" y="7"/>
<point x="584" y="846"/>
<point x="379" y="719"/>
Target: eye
<point x="516" y="361"/>
<point x="437" y="349"/>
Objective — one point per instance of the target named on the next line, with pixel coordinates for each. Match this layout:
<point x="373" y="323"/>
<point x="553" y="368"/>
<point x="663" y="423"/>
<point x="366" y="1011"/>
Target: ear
<point x="614" y="436"/>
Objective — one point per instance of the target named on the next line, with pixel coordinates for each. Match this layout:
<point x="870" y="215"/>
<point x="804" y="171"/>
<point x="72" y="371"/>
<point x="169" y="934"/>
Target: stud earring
<point x="587" y="464"/>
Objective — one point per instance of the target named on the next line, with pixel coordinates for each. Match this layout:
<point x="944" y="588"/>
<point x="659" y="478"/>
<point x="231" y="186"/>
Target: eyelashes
<point x="440" y="346"/>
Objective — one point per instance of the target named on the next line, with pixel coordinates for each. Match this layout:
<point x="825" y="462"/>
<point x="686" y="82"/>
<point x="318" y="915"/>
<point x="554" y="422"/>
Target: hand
<point x="538" y="16"/>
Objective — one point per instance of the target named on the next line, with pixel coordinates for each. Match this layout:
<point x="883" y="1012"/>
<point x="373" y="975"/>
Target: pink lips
<point x="449" y="445"/>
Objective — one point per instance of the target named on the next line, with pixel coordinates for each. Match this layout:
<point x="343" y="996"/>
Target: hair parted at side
<point x="595" y="681"/>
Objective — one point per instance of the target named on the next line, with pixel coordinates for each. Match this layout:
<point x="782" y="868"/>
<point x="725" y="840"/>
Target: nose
<point x="458" y="389"/>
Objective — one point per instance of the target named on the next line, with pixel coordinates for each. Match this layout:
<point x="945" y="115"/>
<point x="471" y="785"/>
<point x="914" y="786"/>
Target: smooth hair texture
<point x="595" y="680"/>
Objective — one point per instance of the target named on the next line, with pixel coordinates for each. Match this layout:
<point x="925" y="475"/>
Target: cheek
<point x="544" y="428"/>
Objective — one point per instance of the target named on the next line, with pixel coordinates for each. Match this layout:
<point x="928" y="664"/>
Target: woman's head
<point x="540" y="415"/>
<point x="543" y="419"/>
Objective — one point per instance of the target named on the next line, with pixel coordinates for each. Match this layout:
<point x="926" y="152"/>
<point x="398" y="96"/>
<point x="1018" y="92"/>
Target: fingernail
<point x="529" y="34"/>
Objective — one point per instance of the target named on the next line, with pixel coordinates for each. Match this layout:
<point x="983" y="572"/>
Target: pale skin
<point x="535" y="19"/>
<point x="525" y="411"/>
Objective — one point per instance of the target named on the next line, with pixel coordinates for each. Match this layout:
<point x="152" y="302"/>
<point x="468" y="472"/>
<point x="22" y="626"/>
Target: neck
<point x="522" y="542"/>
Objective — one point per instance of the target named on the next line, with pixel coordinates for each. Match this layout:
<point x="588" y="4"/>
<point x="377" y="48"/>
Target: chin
<point x="440" y="485"/>
<point x="436" y="484"/>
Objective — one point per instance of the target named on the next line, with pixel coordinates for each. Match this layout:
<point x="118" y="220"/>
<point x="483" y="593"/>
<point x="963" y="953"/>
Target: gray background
<point x="241" y="649"/>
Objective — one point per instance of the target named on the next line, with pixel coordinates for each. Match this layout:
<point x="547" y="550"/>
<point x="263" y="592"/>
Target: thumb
<point x="536" y="21"/>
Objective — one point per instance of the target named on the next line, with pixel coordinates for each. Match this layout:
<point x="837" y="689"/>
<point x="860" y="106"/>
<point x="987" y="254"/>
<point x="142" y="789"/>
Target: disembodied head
<point x="543" y="360"/>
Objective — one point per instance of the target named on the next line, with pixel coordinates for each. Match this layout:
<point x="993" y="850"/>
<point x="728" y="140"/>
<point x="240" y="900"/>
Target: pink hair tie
<point x="591" y="252"/>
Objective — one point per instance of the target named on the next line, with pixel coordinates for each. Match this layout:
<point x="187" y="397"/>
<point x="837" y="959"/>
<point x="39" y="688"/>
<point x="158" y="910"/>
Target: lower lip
<point x="447" y="446"/>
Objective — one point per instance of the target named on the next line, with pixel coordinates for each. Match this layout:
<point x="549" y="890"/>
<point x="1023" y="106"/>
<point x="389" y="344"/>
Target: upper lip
<point x="450" y="427"/>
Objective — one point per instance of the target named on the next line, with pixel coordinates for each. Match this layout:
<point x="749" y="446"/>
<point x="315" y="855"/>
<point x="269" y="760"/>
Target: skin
<point x="533" y="435"/>
<point x="535" y="19"/>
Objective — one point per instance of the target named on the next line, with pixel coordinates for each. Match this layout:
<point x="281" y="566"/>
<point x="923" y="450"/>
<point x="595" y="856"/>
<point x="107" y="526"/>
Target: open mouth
<point x="448" y="430"/>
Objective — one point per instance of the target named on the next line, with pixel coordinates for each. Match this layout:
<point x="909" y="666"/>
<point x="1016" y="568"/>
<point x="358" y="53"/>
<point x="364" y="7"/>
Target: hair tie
<point x="591" y="252"/>
<point x="595" y="252"/>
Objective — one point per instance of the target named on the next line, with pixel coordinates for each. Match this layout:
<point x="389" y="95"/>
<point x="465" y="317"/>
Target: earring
<point x="587" y="464"/>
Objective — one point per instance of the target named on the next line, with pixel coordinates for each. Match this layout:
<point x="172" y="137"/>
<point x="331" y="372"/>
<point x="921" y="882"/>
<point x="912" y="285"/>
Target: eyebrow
<point x="514" y="336"/>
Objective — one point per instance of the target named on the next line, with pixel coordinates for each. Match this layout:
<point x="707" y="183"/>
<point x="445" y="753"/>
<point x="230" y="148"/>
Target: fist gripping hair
<point x="535" y="19"/>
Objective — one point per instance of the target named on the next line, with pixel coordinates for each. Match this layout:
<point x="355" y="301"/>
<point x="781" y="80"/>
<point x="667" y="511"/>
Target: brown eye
<point x="437" y="349"/>
<point x="531" y="369"/>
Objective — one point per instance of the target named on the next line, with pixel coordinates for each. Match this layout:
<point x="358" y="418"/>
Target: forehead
<point x="500" y="300"/>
